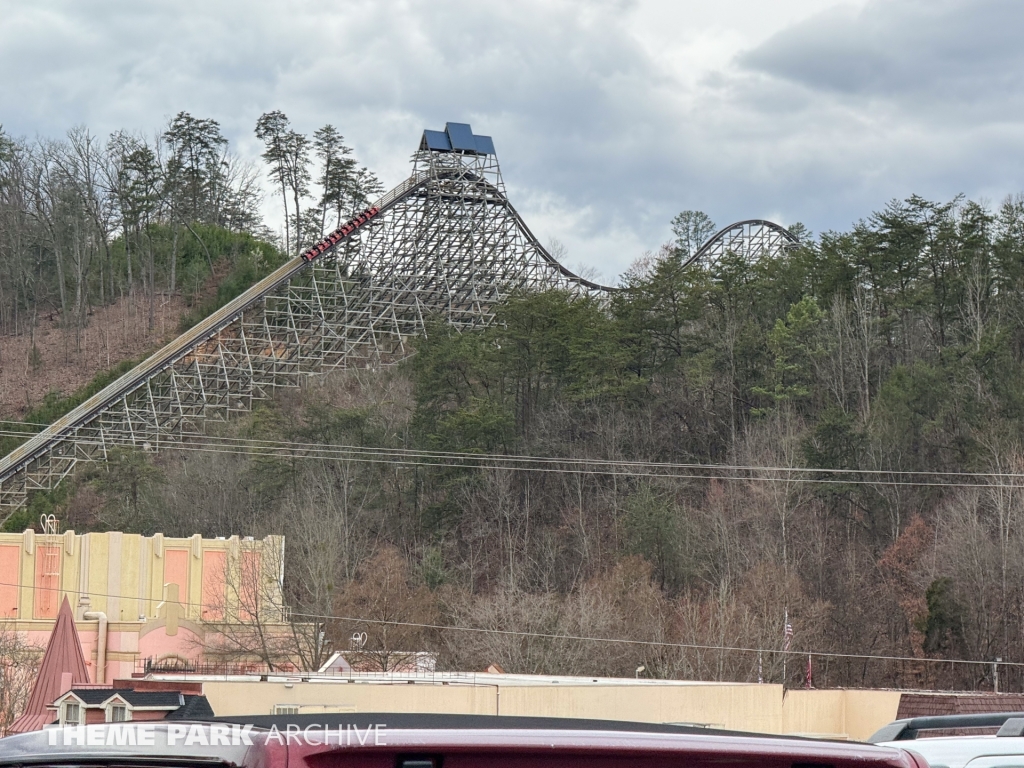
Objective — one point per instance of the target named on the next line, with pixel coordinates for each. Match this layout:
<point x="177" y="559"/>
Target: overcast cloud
<point x="609" y="116"/>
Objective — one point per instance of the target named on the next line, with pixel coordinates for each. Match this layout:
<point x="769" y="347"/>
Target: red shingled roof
<point x="63" y="656"/>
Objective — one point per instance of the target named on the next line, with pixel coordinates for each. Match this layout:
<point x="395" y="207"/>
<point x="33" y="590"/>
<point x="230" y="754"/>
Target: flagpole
<point x="787" y="637"/>
<point x="785" y="644"/>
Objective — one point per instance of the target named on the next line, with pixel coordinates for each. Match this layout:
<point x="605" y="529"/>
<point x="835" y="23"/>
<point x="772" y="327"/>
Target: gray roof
<point x="96" y="696"/>
<point x="153" y="698"/>
<point x="195" y="708"/>
<point x="93" y="695"/>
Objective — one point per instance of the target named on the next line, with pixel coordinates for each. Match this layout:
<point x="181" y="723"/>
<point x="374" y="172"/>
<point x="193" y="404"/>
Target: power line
<point x="543" y="635"/>
<point x="298" y="445"/>
<point x="657" y="643"/>
<point x="586" y="461"/>
<point x="596" y="467"/>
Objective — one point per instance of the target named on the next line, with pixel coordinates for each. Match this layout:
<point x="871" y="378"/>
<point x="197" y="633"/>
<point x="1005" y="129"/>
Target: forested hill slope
<point x="109" y="246"/>
<point x="803" y="424"/>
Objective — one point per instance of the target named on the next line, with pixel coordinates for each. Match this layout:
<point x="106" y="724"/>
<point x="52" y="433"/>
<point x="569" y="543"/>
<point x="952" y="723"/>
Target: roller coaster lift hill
<point x="445" y="242"/>
<point x="341" y="232"/>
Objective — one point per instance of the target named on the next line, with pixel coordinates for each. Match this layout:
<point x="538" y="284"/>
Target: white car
<point x="1004" y="749"/>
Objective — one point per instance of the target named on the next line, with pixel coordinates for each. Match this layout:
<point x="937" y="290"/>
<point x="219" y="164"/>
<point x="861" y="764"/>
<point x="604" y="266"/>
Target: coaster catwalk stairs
<point x="445" y="242"/>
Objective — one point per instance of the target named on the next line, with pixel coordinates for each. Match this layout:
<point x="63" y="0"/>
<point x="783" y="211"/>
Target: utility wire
<point x="297" y="445"/>
<point x="596" y="467"/>
<point x="543" y="635"/>
<point x="293" y="444"/>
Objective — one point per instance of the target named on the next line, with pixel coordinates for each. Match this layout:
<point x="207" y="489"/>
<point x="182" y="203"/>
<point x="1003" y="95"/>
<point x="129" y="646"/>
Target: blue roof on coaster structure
<point x="457" y="137"/>
<point x="436" y="140"/>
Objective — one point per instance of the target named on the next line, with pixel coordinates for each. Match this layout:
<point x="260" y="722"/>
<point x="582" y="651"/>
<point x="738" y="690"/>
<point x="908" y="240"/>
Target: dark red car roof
<point x="437" y="741"/>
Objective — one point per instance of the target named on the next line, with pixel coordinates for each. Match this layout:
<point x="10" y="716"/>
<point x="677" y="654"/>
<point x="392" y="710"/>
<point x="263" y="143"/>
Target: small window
<point x="72" y="713"/>
<point x="119" y="713"/>
<point x="286" y="709"/>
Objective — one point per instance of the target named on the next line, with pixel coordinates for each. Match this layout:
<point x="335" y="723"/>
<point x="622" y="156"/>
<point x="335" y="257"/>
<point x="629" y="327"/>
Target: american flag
<point x="787" y="632"/>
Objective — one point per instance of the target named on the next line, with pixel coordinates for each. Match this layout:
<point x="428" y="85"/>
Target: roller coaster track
<point x="445" y="242"/>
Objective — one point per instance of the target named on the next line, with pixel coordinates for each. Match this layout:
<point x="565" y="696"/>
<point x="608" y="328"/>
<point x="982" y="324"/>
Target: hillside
<point x="804" y="421"/>
<point x="110" y="246"/>
<point x="114" y="333"/>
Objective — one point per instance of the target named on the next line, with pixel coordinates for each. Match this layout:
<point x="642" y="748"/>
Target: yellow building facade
<point x="133" y="594"/>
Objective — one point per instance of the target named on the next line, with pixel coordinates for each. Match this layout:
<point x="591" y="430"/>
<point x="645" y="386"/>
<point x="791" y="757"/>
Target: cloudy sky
<point x="609" y="116"/>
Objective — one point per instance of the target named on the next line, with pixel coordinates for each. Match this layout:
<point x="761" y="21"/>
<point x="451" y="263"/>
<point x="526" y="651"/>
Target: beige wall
<point x="748" y="707"/>
<point x="856" y="714"/>
<point x="259" y="698"/>
<point x="761" y="708"/>
<point x="122" y="574"/>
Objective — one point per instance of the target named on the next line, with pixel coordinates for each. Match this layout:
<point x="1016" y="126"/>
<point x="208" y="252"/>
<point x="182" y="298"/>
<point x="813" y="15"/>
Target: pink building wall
<point x="9" y="580"/>
<point x="127" y="577"/>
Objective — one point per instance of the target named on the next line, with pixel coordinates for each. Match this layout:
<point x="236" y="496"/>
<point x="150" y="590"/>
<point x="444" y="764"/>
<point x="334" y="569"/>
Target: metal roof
<point x="457" y="137"/>
<point x="437" y="141"/>
<point x="461" y="135"/>
<point x="63" y="656"/>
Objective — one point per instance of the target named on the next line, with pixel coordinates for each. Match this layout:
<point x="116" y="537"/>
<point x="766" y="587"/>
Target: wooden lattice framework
<point x="446" y="243"/>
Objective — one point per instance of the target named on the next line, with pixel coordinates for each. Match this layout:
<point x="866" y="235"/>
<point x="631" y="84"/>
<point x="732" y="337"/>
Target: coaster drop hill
<point x="446" y="241"/>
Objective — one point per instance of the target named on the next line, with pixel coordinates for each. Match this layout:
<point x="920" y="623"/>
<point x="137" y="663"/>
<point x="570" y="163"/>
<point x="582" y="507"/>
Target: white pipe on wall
<point x="101" y="644"/>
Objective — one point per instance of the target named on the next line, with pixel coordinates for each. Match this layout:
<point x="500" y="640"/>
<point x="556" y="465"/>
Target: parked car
<point x="430" y="741"/>
<point x="1002" y="748"/>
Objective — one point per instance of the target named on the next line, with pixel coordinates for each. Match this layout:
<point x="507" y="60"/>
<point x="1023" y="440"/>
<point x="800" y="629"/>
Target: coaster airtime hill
<point x="445" y="242"/>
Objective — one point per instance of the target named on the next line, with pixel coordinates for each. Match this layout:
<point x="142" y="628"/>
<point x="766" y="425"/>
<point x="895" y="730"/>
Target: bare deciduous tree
<point x="19" y="662"/>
